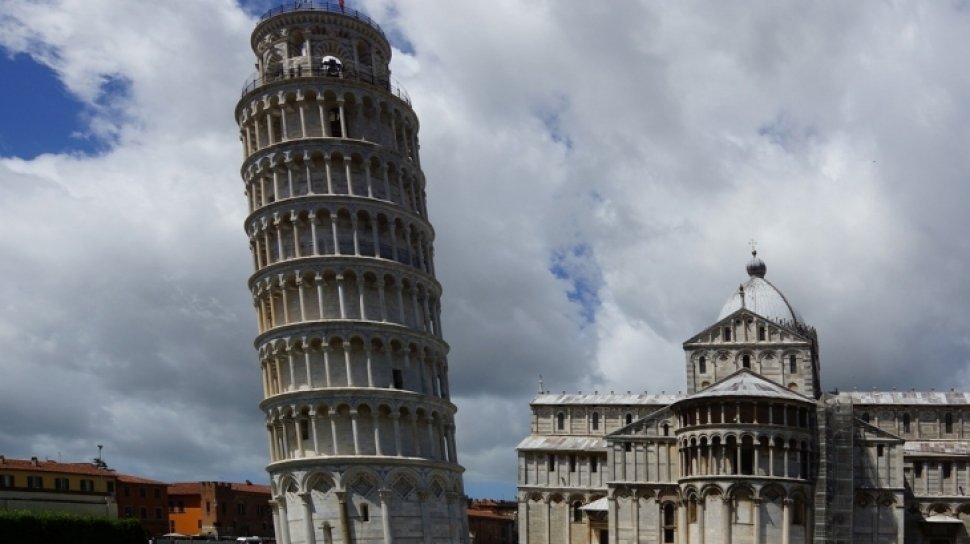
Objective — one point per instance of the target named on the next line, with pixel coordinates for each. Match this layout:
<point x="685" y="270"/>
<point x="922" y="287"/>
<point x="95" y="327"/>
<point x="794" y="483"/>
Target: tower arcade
<point x="354" y="367"/>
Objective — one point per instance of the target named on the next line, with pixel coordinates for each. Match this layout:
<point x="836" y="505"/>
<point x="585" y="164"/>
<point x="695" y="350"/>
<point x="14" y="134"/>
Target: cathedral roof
<point x="561" y="442"/>
<point x="908" y="397"/>
<point x="745" y="383"/>
<point x="621" y="399"/>
<point x="761" y="297"/>
<point x="929" y="448"/>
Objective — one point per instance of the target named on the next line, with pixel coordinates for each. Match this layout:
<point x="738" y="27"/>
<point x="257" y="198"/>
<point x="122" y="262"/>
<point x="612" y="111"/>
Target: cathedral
<point x="754" y="451"/>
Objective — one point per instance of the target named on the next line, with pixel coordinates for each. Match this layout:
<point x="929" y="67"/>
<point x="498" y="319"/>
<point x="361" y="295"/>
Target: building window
<point x="629" y="419"/>
<point x="200" y="523"/>
<point x="158" y="493"/>
<point x="702" y="365"/>
<point x="666" y="429"/>
<point x="62" y="484"/>
<point x="918" y="469"/>
<point x="398" y="378"/>
<point x="552" y="462"/>
<point x="792" y="364"/>
<point x="572" y="463"/>
<point x="947" y="470"/>
<point x="761" y="334"/>
<point x="596" y="421"/>
<point x="35" y="482"/>
<point x="905" y="423"/>
<point x="880" y="450"/>
<point x="746" y="361"/>
<point x="111" y="486"/>
<point x="948" y="423"/>
<point x="727" y="334"/>
<point x="208" y="507"/>
<point x="797" y="511"/>
<point x="593" y="464"/>
<point x="577" y="513"/>
<point x="241" y="509"/>
<point x="87" y="485"/>
<point x="560" y="421"/>
<point x="141" y="492"/>
<point x="865" y="417"/>
<point x="304" y="430"/>
<point x="670" y="523"/>
<point x="628" y="446"/>
<point x="158" y="513"/>
<point x="127" y="491"/>
<point x="364" y="512"/>
<point x="180" y="506"/>
<point x="6" y="480"/>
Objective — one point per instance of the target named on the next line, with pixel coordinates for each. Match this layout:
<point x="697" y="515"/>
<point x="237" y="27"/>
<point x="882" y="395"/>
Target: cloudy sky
<point x="596" y="172"/>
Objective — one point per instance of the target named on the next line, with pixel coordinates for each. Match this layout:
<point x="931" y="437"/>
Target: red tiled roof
<point x="129" y="479"/>
<point x="251" y="488"/>
<point x="485" y="514"/>
<point x="195" y="488"/>
<point x="29" y="465"/>
<point x="185" y="488"/>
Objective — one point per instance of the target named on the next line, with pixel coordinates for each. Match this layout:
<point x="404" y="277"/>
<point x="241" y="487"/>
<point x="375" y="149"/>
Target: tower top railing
<point x="310" y="5"/>
<point x="300" y="70"/>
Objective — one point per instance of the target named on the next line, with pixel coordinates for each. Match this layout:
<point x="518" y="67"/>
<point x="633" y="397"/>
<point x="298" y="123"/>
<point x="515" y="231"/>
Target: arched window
<point x="746" y="361"/>
<point x="727" y="334"/>
<point x="577" y="513"/>
<point x="948" y="423"/>
<point x="905" y="423"/>
<point x="596" y="421"/>
<point x="761" y="334"/>
<point x="629" y="419"/>
<point x="666" y="429"/>
<point x="702" y="365"/>
<point x="560" y="421"/>
<point x="797" y="511"/>
<point x="669" y="523"/>
<point x="792" y="364"/>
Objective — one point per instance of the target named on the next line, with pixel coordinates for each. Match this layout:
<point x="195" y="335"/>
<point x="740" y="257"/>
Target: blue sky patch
<point x="577" y="265"/>
<point x="38" y="115"/>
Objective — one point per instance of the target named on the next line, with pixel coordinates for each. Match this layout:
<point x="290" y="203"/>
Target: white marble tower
<point x="354" y="367"/>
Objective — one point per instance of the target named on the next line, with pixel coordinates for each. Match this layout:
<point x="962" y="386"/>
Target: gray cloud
<point x="595" y="172"/>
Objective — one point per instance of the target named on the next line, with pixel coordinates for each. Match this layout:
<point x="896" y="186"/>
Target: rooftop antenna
<point x="542" y="388"/>
<point x="754" y="247"/>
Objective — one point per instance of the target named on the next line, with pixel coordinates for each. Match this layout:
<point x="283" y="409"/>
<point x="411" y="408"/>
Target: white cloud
<point x="656" y="138"/>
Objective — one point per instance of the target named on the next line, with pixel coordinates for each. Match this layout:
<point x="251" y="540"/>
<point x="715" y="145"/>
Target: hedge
<point x="57" y="528"/>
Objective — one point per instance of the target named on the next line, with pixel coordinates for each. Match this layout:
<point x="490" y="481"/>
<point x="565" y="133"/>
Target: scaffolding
<point x="834" y="486"/>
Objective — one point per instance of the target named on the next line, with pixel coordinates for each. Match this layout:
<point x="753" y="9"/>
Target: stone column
<point x="700" y="520"/>
<point x="311" y="537"/>
<point x="313" y="429"/>
<point x="277" y="526"/>
<point x="333" y="232"/>
<point x="786" y="520"/>
<point x="284" y="523"/>
<point x="340" y="298"/>
<point x="726" y="519"/>
<point x="309" y="369"/>
<point x="344" y="517"/>
<point x="756" y="514"/>
<point x="682" y="528"/>
<point x="353" y="428"/>
<point x="424" y="497"/>
<point x="385" y="496"/>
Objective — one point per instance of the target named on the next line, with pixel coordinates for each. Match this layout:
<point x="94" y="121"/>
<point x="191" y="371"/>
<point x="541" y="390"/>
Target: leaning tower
<point x="354" y="367"/>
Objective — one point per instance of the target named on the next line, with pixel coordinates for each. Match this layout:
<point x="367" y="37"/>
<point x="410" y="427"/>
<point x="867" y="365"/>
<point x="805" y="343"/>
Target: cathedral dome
<point x="761" y="297"/>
